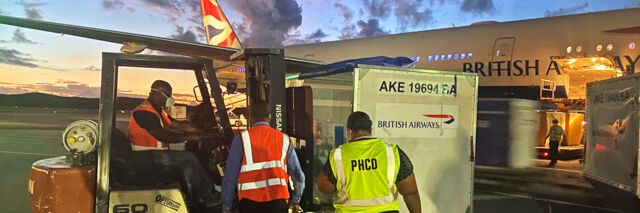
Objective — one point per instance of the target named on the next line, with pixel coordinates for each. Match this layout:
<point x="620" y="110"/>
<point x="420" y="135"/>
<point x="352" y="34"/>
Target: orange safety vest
<point x="141" y="139"/>
<point x="263" y="176"/>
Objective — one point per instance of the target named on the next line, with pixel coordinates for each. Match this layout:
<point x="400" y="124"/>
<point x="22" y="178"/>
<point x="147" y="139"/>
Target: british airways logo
<point x="418" y="124"/>
<point x="450" y="117"/>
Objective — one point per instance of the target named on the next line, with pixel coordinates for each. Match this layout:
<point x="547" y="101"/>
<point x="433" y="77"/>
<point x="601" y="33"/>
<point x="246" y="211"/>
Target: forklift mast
<point x="266" y="83"/>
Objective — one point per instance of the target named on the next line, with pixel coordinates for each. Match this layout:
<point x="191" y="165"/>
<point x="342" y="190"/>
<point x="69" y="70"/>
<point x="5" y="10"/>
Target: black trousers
<point x="274" y="206"/>
<point x="553" y="151"/>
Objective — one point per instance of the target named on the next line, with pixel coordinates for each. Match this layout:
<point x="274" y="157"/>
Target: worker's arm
<point x="409" y="191"/>
<point x="326" y="179"/>
<point x="297" y="176"/>
<point x="151" y="123"/>
<point x="324" y="185"/>
<point x="406" y="183"/>
<point x="184" y="126"/>
<point x="231" y="172"/>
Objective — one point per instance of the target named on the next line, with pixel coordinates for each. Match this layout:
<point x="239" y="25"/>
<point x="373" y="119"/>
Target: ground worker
<point x="150" y="131"/>
<point x="259" y="164"/>
<point x="368" y="173"/>
<point x="555" y="135"/>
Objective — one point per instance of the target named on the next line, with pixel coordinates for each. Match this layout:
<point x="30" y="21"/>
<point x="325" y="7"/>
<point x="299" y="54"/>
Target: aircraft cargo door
<point x="503" y="49"/>
<point x="431" y="116"/>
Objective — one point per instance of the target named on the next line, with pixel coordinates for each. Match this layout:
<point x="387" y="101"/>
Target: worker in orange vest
<point x="259" y="164"/>
<point x="150" y="132"/>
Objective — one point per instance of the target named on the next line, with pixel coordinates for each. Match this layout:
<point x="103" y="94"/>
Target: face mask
<point x="170" y="101"/>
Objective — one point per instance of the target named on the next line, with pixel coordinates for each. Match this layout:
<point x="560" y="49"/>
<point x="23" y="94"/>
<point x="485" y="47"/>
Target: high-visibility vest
<point x="263" y="176"/>
<point x="555" y="133"/>
<point x="140" y="138"/>
<point x="366" y="173"/>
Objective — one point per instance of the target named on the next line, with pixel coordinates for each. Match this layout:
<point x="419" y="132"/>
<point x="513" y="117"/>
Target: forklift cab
<point x="137" y="189"/>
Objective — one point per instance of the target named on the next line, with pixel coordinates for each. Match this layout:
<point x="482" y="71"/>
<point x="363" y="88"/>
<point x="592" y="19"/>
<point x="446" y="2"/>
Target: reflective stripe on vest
<point x="251" y="166"/>
<point x="343" y="199"/>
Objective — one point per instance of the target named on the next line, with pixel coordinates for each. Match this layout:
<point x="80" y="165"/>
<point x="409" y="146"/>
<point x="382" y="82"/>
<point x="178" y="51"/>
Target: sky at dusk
<point x="35" y="61"/>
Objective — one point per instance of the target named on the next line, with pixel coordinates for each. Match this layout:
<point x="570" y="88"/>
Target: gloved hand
<point x="295" y="208"/>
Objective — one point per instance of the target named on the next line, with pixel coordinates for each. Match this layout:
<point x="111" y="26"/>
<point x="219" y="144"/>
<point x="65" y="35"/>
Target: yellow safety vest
<point x="366" y="175"/>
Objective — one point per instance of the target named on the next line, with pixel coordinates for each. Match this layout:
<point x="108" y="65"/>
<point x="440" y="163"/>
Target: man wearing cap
<point x="555" y="135"/>
<point x="368" y="173"/>
<point x="150" y="132"/>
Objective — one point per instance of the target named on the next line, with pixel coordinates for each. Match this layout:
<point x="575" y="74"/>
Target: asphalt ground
<point x="30" y="134"/>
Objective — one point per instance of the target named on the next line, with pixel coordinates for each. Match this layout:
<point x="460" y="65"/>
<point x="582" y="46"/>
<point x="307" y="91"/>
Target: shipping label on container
<point x="417" y="87"/>
<point x="415" y="120"/>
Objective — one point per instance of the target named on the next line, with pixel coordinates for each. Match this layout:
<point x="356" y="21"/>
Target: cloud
<point x="60" y="88"/>
<point x="318" y="34"/>
<point x="184" y="35"/>
<point x="112" y="4"/>
<point x="315" y="37"/>
<point x="367" y="28"/>
<point x="267" y="22"/>
<point x="92" y="68"/>
<point x="477" y="6"/>
<point x="380" y="9"/>
<point x="2" y="12"/>
<point x="21" y="37"/>
<point x="566" y="10"/>
<point x="345" y="11"/>
<point x="32" y="10"/>
<point x="14" y="57"/>
<point x="408" y="14"/>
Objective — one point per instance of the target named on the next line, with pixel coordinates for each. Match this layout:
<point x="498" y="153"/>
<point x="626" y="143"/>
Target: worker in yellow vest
<point x="555" y="136"/>
<point x="368" y="173"/>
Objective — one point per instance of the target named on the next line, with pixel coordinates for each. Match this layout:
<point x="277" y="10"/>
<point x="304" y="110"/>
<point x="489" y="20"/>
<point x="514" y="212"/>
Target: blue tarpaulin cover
<point x="349" y="65"/>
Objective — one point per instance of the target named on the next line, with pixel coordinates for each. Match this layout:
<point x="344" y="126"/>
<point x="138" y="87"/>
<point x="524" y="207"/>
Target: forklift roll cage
<point x="109" y="86"/>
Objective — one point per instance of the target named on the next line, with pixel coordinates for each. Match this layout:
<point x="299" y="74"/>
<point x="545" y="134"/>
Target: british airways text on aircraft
<point x="626" y="63"/>
<point x="566" y="50"/>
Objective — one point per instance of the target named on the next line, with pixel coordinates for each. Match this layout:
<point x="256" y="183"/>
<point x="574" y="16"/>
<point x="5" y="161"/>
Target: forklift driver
<point x="151" y="130"/>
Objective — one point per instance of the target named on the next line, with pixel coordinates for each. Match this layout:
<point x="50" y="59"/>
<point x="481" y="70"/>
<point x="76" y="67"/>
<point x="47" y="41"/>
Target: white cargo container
<point x="611" y="158"/>
<point x="431" y="115"/>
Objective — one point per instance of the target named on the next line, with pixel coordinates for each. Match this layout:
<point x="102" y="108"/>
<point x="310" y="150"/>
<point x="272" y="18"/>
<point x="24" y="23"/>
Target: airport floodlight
<point x="131" y="47"/>
<point x="609" y="46"/>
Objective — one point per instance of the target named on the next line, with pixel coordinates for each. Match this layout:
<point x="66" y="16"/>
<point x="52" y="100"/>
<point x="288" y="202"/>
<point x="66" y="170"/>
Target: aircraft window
<point x="462" y="55"/>
<point x="442" y="57"/>
<point x="436" y="57"/>
<point x="598" y="47"/>
<point x="498" y="53"/>
<point x="579" y="48"/>
<point x="469" y="55"/>
<point x="632" y="45"/>
<point x="417" y="58"/>
<point x="455" y="56"/>
<point x="569" y="49"/>
<point x="609" y="46"/>
<point x="430" y="58"/>
<point x="413" y="58"/>
<point x="449" y="57"/>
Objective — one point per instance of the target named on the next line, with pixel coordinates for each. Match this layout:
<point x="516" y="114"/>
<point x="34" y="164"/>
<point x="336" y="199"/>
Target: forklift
<point x="94" y="177"/>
